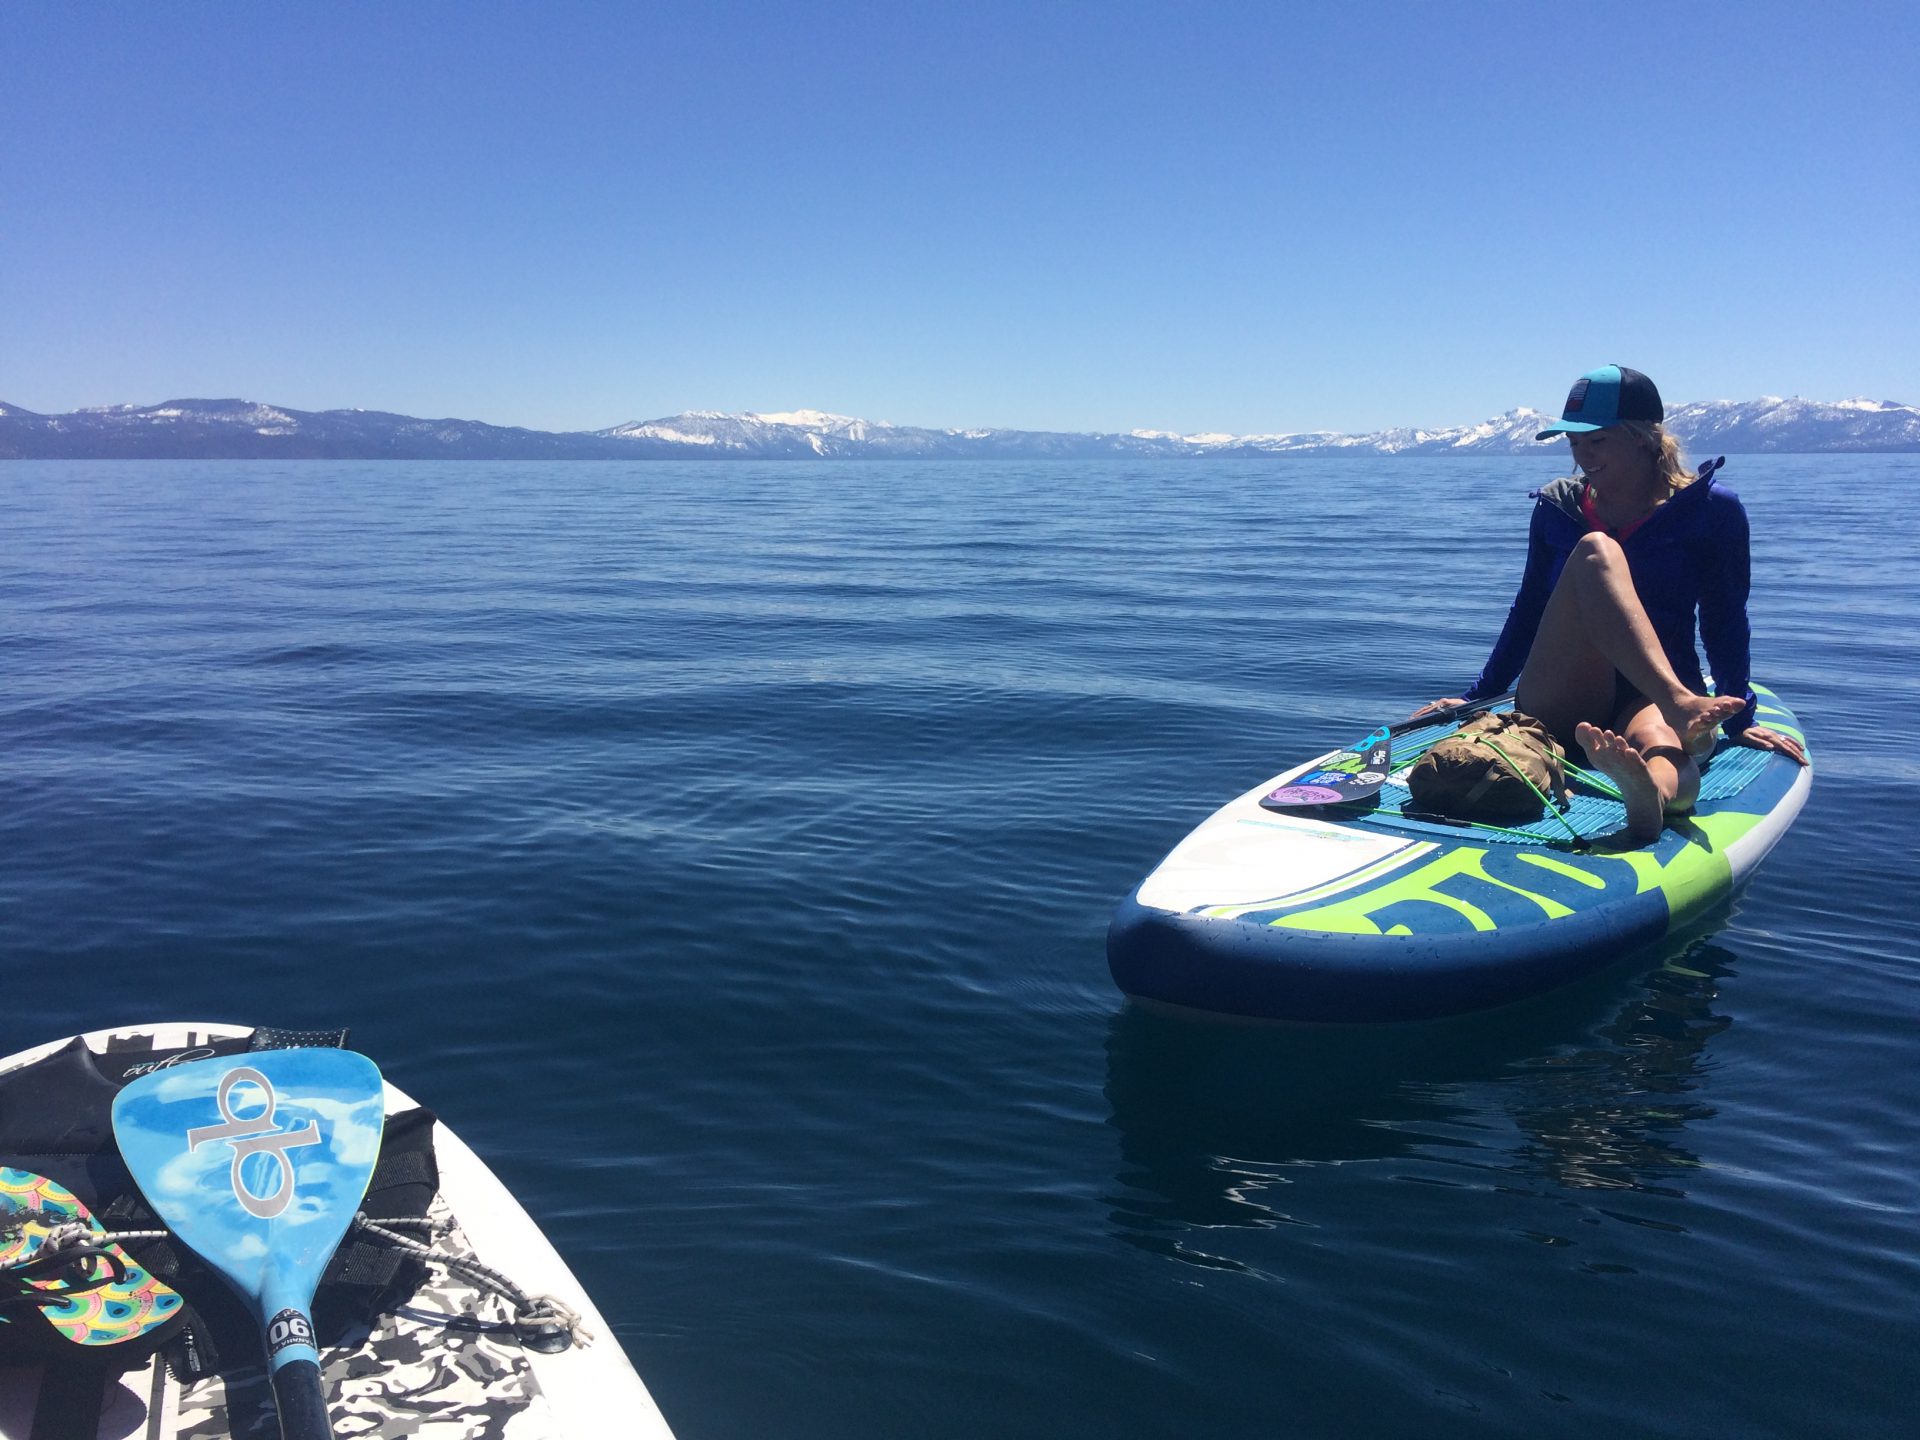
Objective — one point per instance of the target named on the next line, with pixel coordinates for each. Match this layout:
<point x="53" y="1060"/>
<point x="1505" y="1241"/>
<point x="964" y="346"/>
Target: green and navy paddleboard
<point x="1374" y="912"/>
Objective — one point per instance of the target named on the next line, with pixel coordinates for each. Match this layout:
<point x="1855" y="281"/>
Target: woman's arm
<point x="1523" y="617"/>
<point x="1725" y="579"/>
<point x="1725" y="631"/>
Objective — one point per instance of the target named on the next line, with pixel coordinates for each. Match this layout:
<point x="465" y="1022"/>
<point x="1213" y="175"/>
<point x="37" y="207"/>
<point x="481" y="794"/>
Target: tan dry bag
<point x="1475" y="773"/>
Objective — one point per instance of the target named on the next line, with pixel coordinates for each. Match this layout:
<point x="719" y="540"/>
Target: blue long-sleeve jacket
<point x="1689" y="557"/>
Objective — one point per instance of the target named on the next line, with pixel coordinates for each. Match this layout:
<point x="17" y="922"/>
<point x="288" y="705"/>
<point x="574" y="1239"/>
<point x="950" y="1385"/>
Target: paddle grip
<point x="301" y="1402"/>
<point x="1456" y="712"/>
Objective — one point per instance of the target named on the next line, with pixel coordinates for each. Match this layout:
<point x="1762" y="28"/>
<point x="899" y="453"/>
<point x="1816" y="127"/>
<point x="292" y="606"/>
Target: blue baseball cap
<point x="1605" y="397"/>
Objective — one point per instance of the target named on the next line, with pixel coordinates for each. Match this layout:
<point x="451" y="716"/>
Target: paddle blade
<point x="1339" y="779"/>
<point x="258" y="1162"/>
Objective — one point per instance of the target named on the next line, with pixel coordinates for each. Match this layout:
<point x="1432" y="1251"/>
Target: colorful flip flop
<point x="99" y="1297"/>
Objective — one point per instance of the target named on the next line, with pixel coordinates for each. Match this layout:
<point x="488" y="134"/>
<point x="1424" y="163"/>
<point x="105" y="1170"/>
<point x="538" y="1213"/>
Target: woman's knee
<point x="1596" y="547"/>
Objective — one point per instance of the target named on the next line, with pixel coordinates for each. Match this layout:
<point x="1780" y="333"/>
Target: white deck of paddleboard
<point x="587" y="1391"/>
<point x="1245" y="856"/>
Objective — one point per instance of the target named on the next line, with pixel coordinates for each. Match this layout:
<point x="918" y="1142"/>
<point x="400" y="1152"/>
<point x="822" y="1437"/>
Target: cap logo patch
<point x="1577" y="397"/>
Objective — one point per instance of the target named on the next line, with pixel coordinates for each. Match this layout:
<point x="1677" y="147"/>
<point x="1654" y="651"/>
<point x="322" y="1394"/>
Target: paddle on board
<point x="1352" y="774"/>
<point x="1357" y="773"/>
<point x="258" y="1163"/>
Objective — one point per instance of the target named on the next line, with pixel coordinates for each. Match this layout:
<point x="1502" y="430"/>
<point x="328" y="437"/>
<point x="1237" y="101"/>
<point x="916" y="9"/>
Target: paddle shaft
<point x="1452" y="712"/>
<point x="301" y="1401"/>
<point x="293" y="1357"/>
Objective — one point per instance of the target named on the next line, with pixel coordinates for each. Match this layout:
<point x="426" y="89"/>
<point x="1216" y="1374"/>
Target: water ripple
<point x="725" y="850"/>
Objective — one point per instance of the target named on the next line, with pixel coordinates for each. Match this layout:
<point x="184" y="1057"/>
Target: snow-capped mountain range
<point x="241" y="429"/>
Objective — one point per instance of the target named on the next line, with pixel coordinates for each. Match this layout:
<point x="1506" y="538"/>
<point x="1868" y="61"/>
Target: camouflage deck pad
<point x="412" y="1379"/>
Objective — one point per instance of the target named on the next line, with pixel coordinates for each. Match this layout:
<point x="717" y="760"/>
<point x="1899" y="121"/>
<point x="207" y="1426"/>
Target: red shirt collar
<point x="1594" y="522"/>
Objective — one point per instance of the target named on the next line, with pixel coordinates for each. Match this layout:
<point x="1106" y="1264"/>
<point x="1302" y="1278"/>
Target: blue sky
<point x="1196" y="217"/>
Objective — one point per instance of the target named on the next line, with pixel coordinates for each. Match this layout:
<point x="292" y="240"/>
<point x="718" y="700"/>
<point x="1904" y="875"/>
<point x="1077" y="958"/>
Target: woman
<point x="1620" y="558"/>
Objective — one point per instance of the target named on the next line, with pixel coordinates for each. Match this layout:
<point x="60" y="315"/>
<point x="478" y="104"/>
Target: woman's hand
<point x="1761" y="738"/>
<point x="1433" y="707"/>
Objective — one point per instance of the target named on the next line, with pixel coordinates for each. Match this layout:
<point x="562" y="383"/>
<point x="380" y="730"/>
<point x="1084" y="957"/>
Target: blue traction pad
<point x="1729" y="770"/>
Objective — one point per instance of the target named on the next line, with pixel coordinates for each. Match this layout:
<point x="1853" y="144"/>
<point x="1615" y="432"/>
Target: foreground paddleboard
<point x="1372" y="913"/>
<point x="413" y="1373"/>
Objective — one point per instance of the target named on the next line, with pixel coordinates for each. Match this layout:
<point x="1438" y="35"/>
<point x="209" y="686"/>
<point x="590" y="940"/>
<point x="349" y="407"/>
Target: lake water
<point x="725" y="851"/>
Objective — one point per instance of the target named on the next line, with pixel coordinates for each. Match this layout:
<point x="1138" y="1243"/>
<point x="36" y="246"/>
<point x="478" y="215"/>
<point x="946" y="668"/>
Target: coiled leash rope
<point x="542" y="1322"/>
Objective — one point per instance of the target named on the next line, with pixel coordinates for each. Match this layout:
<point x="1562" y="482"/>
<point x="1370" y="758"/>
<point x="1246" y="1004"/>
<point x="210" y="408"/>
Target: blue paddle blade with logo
<point x="258" y="1163"/>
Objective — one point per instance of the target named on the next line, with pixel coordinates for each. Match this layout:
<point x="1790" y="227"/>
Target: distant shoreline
<point x="248" y="430"/>
<point x="1171" y="462"/>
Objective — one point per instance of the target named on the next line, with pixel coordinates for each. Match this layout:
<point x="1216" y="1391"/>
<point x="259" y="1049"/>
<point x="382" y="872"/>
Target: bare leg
<point x="1613" y="757"/>
<point x="1675" y="771"/>
<point x="1645" y="759"/>
<point x="1594" y="625"/>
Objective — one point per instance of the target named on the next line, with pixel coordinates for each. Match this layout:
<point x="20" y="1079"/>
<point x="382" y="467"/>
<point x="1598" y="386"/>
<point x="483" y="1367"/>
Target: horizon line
<point x="792" y="417"/>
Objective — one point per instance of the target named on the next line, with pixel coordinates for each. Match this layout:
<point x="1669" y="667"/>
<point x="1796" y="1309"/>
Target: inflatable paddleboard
<point x="480" y="1329"/>
<point x="1363" y="909"/>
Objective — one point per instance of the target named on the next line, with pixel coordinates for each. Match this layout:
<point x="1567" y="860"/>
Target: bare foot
<point x="1613" y="757"/>
<point x="1696" y="717"/>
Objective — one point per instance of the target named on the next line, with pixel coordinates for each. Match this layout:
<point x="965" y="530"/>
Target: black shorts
<point x="1624" y="694"/>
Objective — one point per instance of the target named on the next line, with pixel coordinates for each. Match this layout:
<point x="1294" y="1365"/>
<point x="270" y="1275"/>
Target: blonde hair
<point x="1669" y="459"/>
